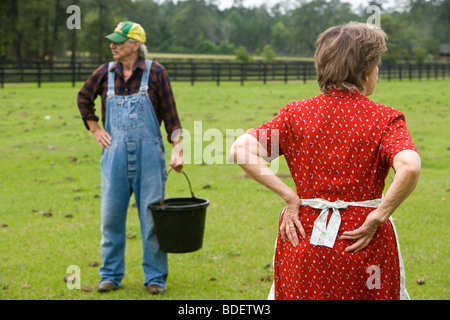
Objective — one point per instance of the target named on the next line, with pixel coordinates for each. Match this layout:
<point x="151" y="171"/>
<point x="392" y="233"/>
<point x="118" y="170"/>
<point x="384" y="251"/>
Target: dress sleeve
<point x="396" y="138"/>
<point x="274" y="134"/>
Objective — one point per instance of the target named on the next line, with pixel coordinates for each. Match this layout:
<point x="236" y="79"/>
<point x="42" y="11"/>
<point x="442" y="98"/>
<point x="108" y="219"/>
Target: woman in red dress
<point x="336" y="239"/>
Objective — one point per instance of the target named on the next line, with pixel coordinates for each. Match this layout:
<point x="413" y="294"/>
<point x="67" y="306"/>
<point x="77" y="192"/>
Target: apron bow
<point x="324" y="234"/>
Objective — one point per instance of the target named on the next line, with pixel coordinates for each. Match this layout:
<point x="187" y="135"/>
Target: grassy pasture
<point x="49" y="194"/>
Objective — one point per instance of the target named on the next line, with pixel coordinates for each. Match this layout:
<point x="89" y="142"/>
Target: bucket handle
<point x="164" y="186"/>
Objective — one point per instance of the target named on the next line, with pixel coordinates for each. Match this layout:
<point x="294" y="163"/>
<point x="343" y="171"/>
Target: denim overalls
<point x="134" y="163"/>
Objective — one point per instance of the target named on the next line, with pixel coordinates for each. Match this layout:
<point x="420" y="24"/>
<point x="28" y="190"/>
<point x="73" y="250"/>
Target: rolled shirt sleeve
<point x="89" y="92"/>
<point x="168" y="110"/>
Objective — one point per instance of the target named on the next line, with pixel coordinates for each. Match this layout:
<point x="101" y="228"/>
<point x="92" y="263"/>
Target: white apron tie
<point x="323" y="234"/>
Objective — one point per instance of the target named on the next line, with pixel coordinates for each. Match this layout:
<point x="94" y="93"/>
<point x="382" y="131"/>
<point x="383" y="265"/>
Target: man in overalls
<point x="136" y="97"/>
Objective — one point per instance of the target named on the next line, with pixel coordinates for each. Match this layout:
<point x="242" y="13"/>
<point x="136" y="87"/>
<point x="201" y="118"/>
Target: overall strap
<point x="145" y="76"/>
<point x="111" y="78"/>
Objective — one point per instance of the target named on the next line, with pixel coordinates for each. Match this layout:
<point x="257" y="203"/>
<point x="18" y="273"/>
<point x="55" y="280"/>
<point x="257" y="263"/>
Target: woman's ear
<point x="366" y="79"/>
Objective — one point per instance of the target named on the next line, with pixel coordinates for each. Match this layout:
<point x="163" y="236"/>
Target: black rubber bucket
<point x="180" y="222"/>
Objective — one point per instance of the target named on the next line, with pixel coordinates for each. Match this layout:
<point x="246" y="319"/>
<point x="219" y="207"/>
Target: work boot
<point x="155" y="289"/>
<point x="106" y="286"/>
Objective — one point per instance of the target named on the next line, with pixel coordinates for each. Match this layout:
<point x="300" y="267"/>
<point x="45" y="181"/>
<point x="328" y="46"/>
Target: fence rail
<point x="41" y="72"/>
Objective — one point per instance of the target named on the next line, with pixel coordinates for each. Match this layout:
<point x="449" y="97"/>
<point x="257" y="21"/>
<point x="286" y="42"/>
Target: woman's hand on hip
<point x="364" y="234"/>
<point x="291" y="222"/>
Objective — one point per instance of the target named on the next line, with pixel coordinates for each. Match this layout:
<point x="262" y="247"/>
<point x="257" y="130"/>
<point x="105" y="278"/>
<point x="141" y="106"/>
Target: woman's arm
<point x="247" y="152"/>
<point x="407" y="170"/>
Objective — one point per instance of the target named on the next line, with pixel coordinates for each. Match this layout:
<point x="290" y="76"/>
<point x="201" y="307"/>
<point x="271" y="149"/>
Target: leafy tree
<point x="36" y="29"/>
<point x="189" y="23"/>
<point x="314" y="17"/>
<point x="226" y="48"/>
<point x="419" y="54"/>
<point x="9" y="13"/>
<point x="431" y="45"/>
<point x="281" y="37"/>
<point x="268" y="54"/>
<point x="101" y="17"/>
<point x="400" y="43"/>
<point x="204" y="46"/>
<point x="242" y="55"/>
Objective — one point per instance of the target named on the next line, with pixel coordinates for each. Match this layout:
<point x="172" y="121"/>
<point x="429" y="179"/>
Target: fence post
<point x="73" y="73"/>
<point x="51" y="70"/>
<point x="242" y="73"/>
<point x="176" y="71"/>
<point x="400" y="72"/>
<point x="304" y="73"/>
<point x="389" y="72"/>
<point x="265" y="73"/>
<point x="39" y="73"/>
<point x="2" y="75"/>
<point x="79" y="71"/>
<point x="218" y="74"/>
<point x="21" y="71"/>
<point x="193" y="65"/>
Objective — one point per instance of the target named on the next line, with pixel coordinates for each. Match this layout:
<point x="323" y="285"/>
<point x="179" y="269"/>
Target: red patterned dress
<point x="338" y="147"/>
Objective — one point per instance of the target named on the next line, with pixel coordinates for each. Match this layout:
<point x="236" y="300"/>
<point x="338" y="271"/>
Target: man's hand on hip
<point x="102" y="136"/>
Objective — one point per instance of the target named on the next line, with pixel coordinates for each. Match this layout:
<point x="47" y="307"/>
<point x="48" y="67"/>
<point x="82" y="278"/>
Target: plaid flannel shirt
<point x="159" y="91"/>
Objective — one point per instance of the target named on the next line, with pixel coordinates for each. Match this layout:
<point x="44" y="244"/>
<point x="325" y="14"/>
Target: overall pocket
<point x="115" y="113"/>
<point x="127" y="112"/>
<point x="136" y="114"/>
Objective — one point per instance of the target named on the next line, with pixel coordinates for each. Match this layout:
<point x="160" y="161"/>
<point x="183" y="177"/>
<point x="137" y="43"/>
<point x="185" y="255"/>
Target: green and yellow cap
<point x="127" y="30"/>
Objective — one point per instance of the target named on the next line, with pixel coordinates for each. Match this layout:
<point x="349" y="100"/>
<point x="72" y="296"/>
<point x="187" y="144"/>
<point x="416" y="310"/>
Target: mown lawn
<point x="50" y="178"/>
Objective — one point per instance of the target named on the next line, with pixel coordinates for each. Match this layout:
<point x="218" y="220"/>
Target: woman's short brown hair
<point x="346" y="54"/>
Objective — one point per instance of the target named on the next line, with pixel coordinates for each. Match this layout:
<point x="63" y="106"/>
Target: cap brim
<point x="116" y="37"/>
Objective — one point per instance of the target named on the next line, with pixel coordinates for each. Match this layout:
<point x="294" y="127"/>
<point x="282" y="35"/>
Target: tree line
<point x="36" y="29"/>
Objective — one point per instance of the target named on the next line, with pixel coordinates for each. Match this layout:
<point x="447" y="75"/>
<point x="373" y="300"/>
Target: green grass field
<point x="49" y="163"/>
